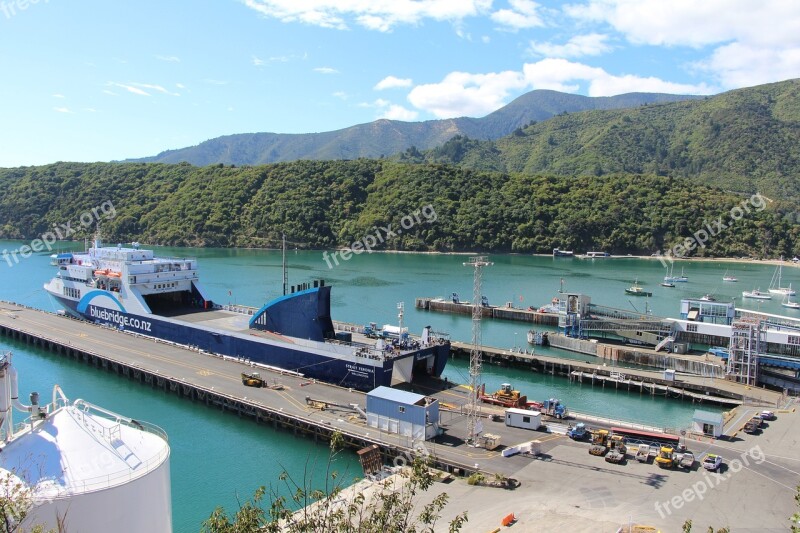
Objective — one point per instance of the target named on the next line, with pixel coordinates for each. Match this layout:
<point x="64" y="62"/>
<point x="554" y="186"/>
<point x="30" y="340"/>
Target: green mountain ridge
<point x="386" y="137"/>
<point x="746" y="140"/>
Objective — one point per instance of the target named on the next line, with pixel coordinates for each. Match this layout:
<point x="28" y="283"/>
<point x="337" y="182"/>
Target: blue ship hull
<point x="338" y="371"/>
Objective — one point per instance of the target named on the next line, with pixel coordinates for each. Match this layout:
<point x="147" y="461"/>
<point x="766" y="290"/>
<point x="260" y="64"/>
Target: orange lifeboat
<point x="114" y="274"/>
<point x="101" y="272"/>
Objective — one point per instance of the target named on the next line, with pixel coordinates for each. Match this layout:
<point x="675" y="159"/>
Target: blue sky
<point x="95" y="80"/>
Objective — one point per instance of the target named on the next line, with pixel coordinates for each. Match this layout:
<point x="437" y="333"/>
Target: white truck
<point x="523" y="418"/>
<point x="643" y="453"/>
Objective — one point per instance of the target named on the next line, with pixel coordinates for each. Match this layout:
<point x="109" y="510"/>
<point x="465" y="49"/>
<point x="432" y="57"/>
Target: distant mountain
<point x="386" y="137"/>
<point x="746" y="140"/>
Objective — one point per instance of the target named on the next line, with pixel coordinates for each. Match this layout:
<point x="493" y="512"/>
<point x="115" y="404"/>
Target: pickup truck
<point x="712" y="462"/>
<point x="685" y="460"/>
<point x="752" y="425"/>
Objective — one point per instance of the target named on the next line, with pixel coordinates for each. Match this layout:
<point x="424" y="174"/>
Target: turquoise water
<point x="217" y="458"/>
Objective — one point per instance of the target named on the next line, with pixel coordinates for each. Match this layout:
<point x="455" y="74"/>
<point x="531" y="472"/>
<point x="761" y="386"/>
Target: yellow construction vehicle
<point x="666" y="457"/>
<point x="505" y="397"/>
<point x="600" y="440"/>
<point x="616" y="449"/>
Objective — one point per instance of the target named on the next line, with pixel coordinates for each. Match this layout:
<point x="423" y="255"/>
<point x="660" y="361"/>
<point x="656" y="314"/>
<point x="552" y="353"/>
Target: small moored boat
<point x="756" y="294"/>
<point x="730" y="278"/>
<point x="636" y="290"/>
<point x="790" y="304"/>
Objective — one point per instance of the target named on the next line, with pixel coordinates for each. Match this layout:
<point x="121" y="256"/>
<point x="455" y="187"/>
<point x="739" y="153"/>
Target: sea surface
<point x="219" y="459"/>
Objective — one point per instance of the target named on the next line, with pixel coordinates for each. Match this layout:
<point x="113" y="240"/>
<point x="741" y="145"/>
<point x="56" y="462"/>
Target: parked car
<point x="712" y="462"/>
<point x="767" y="415"/>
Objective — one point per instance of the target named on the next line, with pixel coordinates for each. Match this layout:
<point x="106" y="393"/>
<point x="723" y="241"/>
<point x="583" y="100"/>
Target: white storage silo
<point x="92" y="469"/>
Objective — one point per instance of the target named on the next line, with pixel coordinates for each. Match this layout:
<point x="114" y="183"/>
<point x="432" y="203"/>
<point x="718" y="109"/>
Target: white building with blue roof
<point x="404" y="413"/>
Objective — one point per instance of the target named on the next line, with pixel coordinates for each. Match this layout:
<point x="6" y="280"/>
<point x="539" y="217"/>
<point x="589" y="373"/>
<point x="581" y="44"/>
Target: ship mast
<point x="285" y="273"/>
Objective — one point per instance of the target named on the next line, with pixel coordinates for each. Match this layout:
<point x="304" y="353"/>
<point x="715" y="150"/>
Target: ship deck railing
<point x="241" y="309"/>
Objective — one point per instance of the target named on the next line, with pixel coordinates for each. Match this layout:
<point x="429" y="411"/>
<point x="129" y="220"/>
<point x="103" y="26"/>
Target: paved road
<point x="570" y="490"/>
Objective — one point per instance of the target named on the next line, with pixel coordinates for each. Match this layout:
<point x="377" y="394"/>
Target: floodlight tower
<point x="473" y="426"/>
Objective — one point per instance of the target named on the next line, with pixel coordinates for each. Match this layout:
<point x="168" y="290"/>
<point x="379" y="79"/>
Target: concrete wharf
<point x="695" y="387"/>
<point x="216" y="381"/>
<point x="507" y="312"/>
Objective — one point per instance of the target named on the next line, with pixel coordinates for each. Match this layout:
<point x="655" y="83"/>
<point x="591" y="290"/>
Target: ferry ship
<point x="133" y="290"/>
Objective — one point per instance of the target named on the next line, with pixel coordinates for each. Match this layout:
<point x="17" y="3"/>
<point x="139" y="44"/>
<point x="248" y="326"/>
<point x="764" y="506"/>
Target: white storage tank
<point x="92" y="469"/>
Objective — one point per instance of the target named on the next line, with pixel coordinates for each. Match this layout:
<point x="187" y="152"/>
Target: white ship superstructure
<point x="131" y="289"/>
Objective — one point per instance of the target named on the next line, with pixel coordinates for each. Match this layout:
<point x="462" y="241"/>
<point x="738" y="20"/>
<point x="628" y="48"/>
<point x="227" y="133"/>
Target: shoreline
<point x="738" y="260"/>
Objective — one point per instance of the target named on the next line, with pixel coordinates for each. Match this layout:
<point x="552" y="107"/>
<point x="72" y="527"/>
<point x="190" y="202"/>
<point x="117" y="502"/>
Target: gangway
<point x="664" y="342"/>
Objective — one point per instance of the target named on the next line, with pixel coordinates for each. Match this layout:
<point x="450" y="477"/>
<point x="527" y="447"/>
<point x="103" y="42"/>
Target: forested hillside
<point x="330" y="204"/>
<point x="745" y="141"/>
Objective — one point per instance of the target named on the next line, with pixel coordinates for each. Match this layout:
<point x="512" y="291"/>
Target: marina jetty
<point x="688" y="386"/>
<point x="710" y="339"/>
<point x="507" y="312"/>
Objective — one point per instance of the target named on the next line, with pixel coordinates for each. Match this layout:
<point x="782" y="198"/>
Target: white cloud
<point x="465" y="94"/>
<point x="391" y="82"/>
<point x="326" y="70"/>
<point x="63" y="110"/>
<point x="140" y="89"/>
<point x="523" y="14"/>
<point x="398" y="112"/>
<point x="755" y="43"/>
<point x="111" y="93"/>
<point x="378" y="15"/>
<point x="566" y="76"/>
<point x="129" y="88"/>
<point x="257" y="62"/>
<point x="380" y="102"/>
<point x="58" y="95"/>
<point x="391" y="111"/>
<point x="592" y="44"/>
<point x="169" y="59"/>
<point x="741" y="65"/>
<point x="155" y="88"/>
<point x="212" y="81"/>
<point x="341" y="95"/>
<point x="89" y="110"/>
<point x="180" y="86"/>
